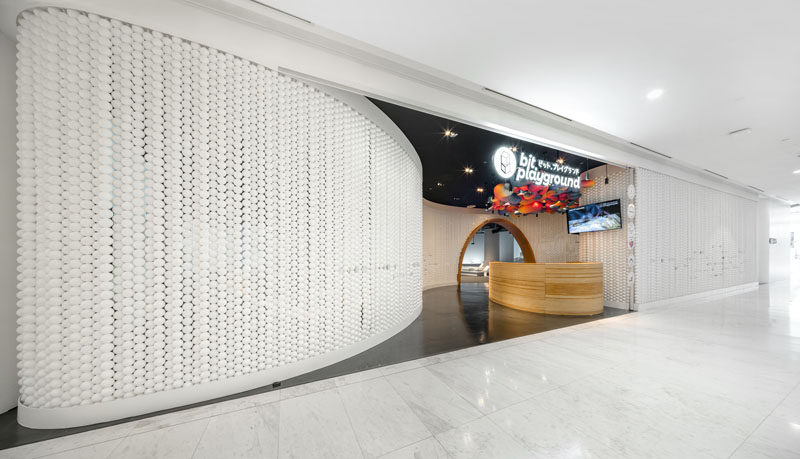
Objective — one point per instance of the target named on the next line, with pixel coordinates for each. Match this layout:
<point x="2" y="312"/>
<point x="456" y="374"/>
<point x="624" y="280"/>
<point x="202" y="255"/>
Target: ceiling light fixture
<point x="560" y="160"/>
<point x="655" y="94"/>
<point x="514" y="149"/>
<point x="439" y="184"/>
<point x="468" y="170"/>
<point x="479" y="190"/>
<point x="450" y="133"/>
<point x="796" y="172"/>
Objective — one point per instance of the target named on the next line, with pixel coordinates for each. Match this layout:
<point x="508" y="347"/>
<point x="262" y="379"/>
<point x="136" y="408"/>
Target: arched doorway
<point x="524" y="245"/>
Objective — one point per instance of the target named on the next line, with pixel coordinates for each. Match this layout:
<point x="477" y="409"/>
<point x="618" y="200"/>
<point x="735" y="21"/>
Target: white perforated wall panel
<point x="186" y="216"/>
<point x="609" y="247"/>
<point x="690" y="238"/>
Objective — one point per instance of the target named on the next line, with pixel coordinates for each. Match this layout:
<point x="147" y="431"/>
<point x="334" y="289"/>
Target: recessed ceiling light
<point x="655" y="94"/>
<point x="438" y="183"/>
<point x="479" y="190"/>
<point x="560" y="160"/>
<point x="796" y="172"/>
<point x="450" y="133"/>
<point x="468" y="170"/>
<point x="741" y="131"/>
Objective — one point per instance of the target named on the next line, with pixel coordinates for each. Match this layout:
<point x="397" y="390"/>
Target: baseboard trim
<point x="82" y="415"/>
<point x="440" y="284"/>
<point x="722" y="292"/>
<point x="616" y="305"/>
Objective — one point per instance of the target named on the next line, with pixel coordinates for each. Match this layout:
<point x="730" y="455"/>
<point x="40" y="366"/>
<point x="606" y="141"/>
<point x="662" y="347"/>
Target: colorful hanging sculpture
<point x="530" y="198"/>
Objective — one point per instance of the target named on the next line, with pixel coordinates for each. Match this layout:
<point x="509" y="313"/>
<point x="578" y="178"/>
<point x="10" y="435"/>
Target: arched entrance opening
<point x="519" y="237"/>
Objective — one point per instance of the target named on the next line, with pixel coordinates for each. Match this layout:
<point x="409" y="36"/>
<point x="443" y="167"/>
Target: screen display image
<point x="595" y="217"/>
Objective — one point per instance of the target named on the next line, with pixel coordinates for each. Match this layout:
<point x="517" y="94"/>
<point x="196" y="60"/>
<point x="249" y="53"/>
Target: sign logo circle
<point x="505" y="162"/>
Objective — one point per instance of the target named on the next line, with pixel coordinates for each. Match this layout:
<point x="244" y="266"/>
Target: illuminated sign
<point x="530" y="169"/>
<point x="505" y="162"/>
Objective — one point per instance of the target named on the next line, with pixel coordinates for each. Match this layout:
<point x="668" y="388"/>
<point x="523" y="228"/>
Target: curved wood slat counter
<point x="549" y="288"/>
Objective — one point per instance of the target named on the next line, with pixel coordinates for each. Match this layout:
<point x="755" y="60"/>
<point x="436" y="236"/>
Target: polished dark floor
<point x="450" y="320"/>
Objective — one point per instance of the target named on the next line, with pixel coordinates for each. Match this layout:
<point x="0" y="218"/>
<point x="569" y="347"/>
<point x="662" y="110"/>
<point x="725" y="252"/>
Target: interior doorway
<point x="495" y="239"/>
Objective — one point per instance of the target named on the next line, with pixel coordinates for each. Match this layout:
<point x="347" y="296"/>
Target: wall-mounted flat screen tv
<point x="595" y="217"/>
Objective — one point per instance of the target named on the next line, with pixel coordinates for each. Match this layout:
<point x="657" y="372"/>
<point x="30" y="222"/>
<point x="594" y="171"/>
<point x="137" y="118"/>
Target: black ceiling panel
<point x="444" y="159"/>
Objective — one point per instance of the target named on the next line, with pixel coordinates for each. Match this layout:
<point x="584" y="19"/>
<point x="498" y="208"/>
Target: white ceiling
<point x="723" y="64"/>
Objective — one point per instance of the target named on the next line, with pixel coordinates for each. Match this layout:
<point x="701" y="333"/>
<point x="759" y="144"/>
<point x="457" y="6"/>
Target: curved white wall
<point x="193" y="224"/>
<point x="8" y="228"/>
<point x="445" y="228"/>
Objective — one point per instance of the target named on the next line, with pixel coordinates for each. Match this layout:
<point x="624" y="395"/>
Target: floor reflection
<point x="451" y="320"/>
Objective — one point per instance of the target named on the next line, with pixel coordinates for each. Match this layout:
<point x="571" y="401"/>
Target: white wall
<point x="204" y="230"/>
<point x="795" y="261"/>
<point x="691" y="239"/>
<point x="8" y="238"/>
<point x="774" y="221"/>
<point x="780" y="225"/>
<point x="506" y="246"/>
<point x="491" y="247"/>
<point x="479" y="251"/>
<point x="445" y="228"/>
<point x="474" y="253"/>
<point x="762" y="239"/>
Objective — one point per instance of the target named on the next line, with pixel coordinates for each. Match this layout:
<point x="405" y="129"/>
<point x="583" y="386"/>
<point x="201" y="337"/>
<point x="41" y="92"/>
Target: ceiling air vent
<point x="741" y="131"/>
<point x="281" y="11"/>
<point x="524" y="103"/>
<point x="718" y="175"/>
<point x="651" y="150"/>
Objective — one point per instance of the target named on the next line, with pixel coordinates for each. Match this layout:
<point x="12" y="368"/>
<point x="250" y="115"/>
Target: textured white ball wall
<point x="690" y="238"/>
<point x="609" y="247"/>
<point x="187" y="216"/>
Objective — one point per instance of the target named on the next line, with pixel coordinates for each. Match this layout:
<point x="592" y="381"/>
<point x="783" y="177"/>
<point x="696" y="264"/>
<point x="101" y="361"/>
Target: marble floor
<point x="711" y="378"/>
<point x="451" y="320"/>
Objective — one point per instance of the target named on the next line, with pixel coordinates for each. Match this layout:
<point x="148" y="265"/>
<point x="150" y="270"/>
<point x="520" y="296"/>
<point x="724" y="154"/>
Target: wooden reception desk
<point x="549" y="288"/>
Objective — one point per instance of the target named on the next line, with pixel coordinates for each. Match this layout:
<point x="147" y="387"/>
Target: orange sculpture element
<point x="500" y="191"/>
